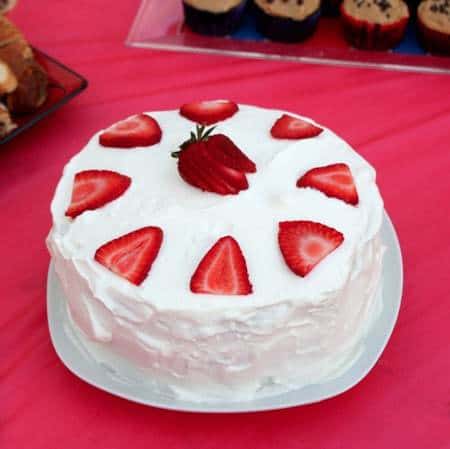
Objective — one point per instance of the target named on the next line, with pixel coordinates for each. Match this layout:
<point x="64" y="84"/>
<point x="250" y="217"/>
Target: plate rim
<point x="56" y="330"/>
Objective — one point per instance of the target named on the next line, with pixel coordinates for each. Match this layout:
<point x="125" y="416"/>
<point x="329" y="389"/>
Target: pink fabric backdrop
<point x="399" y="122"/>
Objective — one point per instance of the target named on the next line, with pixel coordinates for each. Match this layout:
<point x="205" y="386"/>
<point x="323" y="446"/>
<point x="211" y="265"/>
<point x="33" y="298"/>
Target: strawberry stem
<point x="201" y="134"/>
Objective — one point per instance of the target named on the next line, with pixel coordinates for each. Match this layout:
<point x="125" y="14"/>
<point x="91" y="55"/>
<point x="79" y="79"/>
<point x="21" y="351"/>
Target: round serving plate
<point x="120" y="382"/>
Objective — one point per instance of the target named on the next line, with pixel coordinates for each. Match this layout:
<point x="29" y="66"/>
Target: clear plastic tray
<point x="159" y="25"/>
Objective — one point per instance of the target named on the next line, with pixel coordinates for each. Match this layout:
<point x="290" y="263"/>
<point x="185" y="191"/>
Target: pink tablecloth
<point x="399" y="122"/>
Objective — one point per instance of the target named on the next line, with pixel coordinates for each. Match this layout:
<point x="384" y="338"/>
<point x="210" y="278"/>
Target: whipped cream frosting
<point x="290" y="330"/>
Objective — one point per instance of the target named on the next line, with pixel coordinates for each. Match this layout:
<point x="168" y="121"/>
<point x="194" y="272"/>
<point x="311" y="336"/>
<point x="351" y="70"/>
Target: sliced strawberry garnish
<point x="224" y="150"/>
<point x="305" y="243"/>
<point x="209" y="112"/>
<point x="131" y="256"/>
<point x="136" y="131"/>
<point x="288" y="127"/>
<point x="235" y="179"/>
<point x="222" y="271"/>
<point x="95" y="188"/>
<point x="194" y="168"/>
<point x="334" y="180"/>
<point x="213" y="163"/>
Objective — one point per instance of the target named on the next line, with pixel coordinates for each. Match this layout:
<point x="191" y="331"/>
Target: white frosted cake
<point x="230" y="266"/>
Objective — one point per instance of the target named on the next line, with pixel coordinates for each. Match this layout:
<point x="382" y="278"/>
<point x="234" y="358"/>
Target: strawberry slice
<point x="334" y="180"/>
<point x="136" y="131"/>
<point x="222" y="271"/>
<point x="131" y="256"/>
<point x="224" y="151"/>
<point x="305" y="243"/>
<point x="209" y="112"/>
<point x="95" y="188"/>
<point x="288" y="127"/>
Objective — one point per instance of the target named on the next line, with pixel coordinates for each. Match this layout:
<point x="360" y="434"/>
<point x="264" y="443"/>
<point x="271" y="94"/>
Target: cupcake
<point x="213" y="17"/>
<point x="433" y="23"/>
<point x="374" y="24"/>
<point x="287" y="20"/>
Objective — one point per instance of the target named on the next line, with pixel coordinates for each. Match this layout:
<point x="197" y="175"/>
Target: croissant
<point x="6" y="123"/>
<point x="6" y="5"/>
<point x="32" y="81"/>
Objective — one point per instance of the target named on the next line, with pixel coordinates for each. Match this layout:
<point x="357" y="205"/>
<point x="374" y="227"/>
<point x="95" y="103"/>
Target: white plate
<point x="101" y="376"/>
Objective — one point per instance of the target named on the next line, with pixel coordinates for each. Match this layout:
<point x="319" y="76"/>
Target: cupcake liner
<point x="372" y="36"/>
<point x="432" y="40"/>
<point x="285" y="29"/>
<point x="213" y="24"/>
<point x="330" y="7"/>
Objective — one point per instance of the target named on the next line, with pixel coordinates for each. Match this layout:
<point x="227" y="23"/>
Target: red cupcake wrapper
<point x="432" y="40"/>
<point x="372" y="36"/>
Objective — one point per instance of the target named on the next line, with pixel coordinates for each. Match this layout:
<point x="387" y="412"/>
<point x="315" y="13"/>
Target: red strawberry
<point x="305" y="243"/>
<point x="136" y="131"/>
<point x="195" y="168"/>
<point x="95" y="188"/>
<point x="224" y="150"/>
<point x="131" y="255"/>
<point x="288" y="127"/>
<point x="209" y="112"/>
<point x="334" y="180"/>
<point x="222" y="271"/>
<point x="213" y="163"/>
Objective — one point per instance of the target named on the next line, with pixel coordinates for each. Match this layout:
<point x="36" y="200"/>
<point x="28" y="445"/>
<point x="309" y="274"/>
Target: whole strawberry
<point x="213" y="163"/>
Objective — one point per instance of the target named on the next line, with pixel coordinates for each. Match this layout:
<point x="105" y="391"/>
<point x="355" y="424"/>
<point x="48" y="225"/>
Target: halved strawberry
<point x="305" y="243"/>
<point x="222" y="271"/>
<point x="209" y="112"/>
<point x="334" y="180"/>
<point x="288" y="127"/>
<point x="131" y="256"/>
<point x="136" y="131"/>
<point x="95" y="188"/>
<point x="224" y="150"/>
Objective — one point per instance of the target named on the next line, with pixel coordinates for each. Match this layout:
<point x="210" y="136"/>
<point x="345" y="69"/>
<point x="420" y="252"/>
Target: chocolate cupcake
<point x="374" y="24"/>
<point x="287" y="20"/>
<point x="433" y="24"/>
<point x="213" y="17"/>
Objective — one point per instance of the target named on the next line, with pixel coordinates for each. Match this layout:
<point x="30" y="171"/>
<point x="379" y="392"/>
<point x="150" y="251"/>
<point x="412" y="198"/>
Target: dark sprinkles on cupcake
<point x="374" y="24"/>
<point x="213" y="17"/>
<point x="287" y="20"/>
<point x="433" y="22"/>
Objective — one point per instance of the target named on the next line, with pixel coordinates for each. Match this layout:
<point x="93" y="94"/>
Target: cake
<point x="221" y="263"/>
<point x="433" y="21"/>
<point x="287" y="20"/>
<point x="213" y="17"/>
<point x="374" y="24"/>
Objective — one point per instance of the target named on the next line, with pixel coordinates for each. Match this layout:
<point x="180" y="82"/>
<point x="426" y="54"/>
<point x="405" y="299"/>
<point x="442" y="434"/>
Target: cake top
<point x="435" y="14"/>
<point x="377" y="11"/>
<point x="180" y="228"/>
<point x="214" y="6"/>
<point x="290" y="9"/>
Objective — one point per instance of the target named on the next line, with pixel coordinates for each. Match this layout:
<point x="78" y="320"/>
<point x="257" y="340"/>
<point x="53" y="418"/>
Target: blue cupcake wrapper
<point x="285" y="29"/>
<point x="213" y="24"/>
